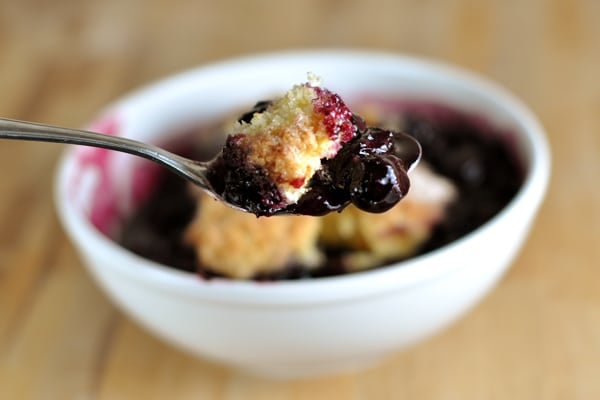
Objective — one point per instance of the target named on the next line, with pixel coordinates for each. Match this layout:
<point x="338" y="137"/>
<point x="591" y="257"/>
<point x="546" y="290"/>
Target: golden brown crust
<point x="240" y="245"/>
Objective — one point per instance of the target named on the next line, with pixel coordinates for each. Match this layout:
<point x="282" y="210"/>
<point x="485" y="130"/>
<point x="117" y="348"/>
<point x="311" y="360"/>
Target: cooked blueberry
<point x="258" y="108"/>
<point x="377" y="184"/>
<point x="376" y="141"/>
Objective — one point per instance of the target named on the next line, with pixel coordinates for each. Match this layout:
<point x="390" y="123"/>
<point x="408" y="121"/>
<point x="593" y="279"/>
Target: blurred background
<point x="61" y="61"/>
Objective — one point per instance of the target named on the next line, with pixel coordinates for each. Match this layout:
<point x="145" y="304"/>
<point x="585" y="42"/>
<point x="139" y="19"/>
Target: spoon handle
<point x="189" y="169"/>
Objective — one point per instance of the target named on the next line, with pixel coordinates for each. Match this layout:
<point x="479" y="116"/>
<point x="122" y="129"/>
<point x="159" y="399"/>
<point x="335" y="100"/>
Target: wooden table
<point x="537" y="336"/>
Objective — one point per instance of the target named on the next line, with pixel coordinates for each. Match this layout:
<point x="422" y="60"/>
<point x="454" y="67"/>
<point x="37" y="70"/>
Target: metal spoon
<point x="407" y="148"/>
<point x="194" y="171"/>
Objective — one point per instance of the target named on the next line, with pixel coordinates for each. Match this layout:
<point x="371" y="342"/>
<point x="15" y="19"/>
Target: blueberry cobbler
<point x="307" y="153"/>
<point x="467" y="174"/>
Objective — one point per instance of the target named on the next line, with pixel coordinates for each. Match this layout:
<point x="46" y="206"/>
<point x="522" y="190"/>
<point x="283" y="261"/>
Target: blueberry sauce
<point x="245" y="185"/>
<point x="475" y="155"/>
<point x="367" y="172"/>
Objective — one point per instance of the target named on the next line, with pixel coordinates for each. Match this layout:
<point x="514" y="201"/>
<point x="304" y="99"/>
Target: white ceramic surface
<point x="310" y="327"/>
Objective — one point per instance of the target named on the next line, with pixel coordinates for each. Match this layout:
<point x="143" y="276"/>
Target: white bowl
<point x="308" y="327"/>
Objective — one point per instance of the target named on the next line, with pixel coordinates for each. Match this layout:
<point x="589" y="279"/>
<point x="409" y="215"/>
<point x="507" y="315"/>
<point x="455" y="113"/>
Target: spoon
<point x="194" y="171"/>
<point x="325" y="197"/>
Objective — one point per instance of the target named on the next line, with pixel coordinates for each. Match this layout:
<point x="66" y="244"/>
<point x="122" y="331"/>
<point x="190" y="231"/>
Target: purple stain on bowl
<point x="94" y="164"/>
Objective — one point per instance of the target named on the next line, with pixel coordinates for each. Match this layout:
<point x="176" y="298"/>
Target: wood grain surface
<point x="536" y="336"/>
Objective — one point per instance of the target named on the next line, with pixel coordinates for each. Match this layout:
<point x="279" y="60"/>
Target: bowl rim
<point x="364" y="283"/>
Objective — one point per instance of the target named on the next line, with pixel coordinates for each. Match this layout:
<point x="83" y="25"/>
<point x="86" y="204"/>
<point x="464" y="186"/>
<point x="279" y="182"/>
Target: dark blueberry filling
<point x="475" y="155"/>
<point x="367" y="172"/>
<point x="243" y="184"/>
<point x="155" y="230"/>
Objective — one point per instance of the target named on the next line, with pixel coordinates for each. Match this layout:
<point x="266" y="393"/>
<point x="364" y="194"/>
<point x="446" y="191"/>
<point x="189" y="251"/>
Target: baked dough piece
<point x="395" y="234"/>
<point x="240" y="245"/>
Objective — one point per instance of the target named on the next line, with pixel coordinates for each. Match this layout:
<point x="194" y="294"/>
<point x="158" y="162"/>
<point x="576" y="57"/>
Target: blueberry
<point x="258" y="108"/>
<point x="375" y="141"/>
<point x="378" y="183"/>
